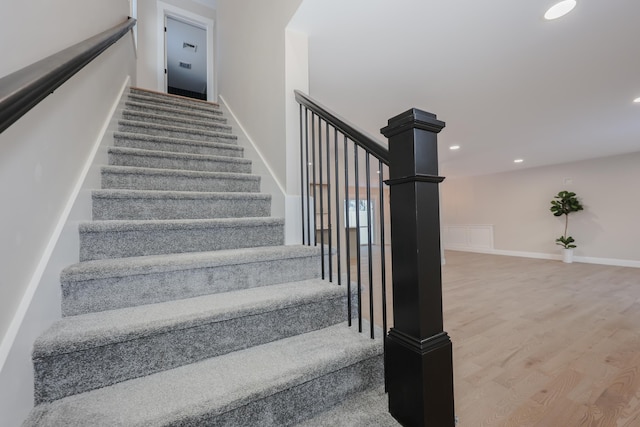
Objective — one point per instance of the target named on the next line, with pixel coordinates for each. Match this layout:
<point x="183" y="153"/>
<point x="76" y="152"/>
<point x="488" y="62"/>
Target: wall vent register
<point x="186" y="65"/>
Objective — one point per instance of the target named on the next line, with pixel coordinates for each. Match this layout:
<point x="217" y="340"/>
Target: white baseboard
<point x="254" y="146"/>
<point x="540" y="255"/>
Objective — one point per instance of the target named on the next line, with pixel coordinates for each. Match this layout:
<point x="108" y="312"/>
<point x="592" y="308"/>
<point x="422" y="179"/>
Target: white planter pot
<point x="567" y="256"/>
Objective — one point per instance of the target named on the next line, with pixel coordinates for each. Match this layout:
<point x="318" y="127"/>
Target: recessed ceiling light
<point x="560" y="9"/>
<point x="518" y="161"/>
<point x="637" y="100"/>
<point x="454" y="147"/>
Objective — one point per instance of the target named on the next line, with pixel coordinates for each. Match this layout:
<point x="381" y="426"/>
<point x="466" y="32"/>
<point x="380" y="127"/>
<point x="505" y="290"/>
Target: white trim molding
<point x="468" y="237"/>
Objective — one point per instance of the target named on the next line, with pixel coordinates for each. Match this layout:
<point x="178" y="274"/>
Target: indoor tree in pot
<point x="563" y="204"/>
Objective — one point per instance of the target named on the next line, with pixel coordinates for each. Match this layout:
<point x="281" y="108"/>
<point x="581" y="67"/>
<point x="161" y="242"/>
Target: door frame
<point x="165" y="10"/>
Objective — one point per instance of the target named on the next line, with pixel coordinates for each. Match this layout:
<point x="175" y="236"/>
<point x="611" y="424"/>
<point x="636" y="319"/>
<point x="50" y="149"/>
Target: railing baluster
<point x="301" y="175"/>
<point x="369" y="240"/>
<point x="383" y="266"/>
<point x="383" y="257"/>
<point x="358" y="266"/>
<point x="337" y="193"/>
<point x="329" y="230"/>
<point x="347" y="226"/>
<point x="321" y="196"/>
<point x="308" y="183"/>
<point x="313" y="165"/>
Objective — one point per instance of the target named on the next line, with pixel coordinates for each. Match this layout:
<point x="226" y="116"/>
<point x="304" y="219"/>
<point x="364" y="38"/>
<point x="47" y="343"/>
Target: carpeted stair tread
<point x="369" y="408"/>
<point x="122" y="238"/>
<point x="127" y="177"/>
<point x="196" y="123"/>
<point x="75" y="333"/>
<point x="175" y="103"/>
<point x="178" y="195"/>
<point x="136" y="157"/>
<point x="150" y="204"/>
<point x="182" y="224"/>
<point x="170" y="97"/>
<point x="108" y="284"/>
<point x="81" y="353"/>
<point x="175" y="262"/>
<point x="163" y="143"/>
<point x="263" y="385"/>
<point x="175" y="131"/>
<point x="173" y="112"/>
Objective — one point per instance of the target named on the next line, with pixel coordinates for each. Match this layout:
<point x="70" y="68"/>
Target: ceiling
<point x="508" y="83"/>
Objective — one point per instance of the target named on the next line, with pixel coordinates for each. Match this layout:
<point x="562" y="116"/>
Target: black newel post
<point x="419" y="364"/>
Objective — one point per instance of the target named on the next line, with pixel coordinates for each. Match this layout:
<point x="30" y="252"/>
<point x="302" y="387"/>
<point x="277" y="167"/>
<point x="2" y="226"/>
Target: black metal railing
<point x="417" y="351"/>
<point x="338" y="215"/>
<point x="25" y="88"/>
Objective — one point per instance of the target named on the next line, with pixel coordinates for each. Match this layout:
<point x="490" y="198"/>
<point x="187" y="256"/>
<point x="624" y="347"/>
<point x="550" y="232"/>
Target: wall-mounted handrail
<point x="25" y="88"/>
<point x="360" y="137"/>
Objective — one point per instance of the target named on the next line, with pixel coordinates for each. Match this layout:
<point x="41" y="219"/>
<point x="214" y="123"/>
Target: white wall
<point x="296" y="77"/>
<point x="42" y="160"/>
<point x="517" y="205"/>
<point x="149" y="45"/>
<point x="32" y="30"/>
<point x="251" y="71"/>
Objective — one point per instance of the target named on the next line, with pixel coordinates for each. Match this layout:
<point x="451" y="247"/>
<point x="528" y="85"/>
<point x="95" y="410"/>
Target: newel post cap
<point x="412" y="119"/>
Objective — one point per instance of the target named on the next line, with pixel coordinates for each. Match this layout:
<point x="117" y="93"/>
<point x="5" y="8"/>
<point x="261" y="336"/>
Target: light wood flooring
<point x="538" y="342"/>
<point x="542" y="343"/>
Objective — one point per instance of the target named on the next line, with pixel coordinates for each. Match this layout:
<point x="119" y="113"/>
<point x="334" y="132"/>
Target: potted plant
<point x="565" y="203"/>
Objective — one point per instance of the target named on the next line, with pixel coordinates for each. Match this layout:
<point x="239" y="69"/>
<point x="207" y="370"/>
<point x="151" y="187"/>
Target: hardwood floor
<point x="538" y="343"/>
<point x="542" y="343"/>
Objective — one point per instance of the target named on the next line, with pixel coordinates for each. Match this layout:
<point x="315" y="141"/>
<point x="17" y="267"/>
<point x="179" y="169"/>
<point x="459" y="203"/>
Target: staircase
<point x="186" y="309"/>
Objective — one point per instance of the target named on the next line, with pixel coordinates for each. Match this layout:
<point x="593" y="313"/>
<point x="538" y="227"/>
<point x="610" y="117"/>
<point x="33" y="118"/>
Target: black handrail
<point x="25" y="88"/>
<point x="417" y="351"/>
<point x="376" y="148"/>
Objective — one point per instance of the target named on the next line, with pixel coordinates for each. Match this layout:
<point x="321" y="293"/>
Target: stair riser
<point x="170" y="98"/>
<point x="119" y="244"/>
<point x="80" y="371"/>
<point x="177" y="147"/>
<point x="173" y="103"/>
<point x="161" y="208"/>
<point x="159" y="162"/>
<point x="298" y="403"/>
<point x="174" y="133"/>
<point x="87" y="296"/>
<point x="163" y="119"/>
<point x="134" y="181"/>
<point x="173" y="112"/>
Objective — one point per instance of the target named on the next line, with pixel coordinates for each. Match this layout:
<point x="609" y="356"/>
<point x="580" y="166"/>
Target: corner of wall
<point x="296" y="77"/>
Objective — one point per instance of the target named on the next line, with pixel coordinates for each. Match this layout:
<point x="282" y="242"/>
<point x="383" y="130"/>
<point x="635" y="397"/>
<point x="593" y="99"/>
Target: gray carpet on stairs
<point x="186" y="309"/>
<point x="151" y="142"/>
<point x="123" y="282"/>
<point x="275" y="384"/>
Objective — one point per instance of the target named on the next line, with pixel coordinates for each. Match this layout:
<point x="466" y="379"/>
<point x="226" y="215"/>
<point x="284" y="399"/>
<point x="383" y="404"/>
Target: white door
<point x="186" y="59"/>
